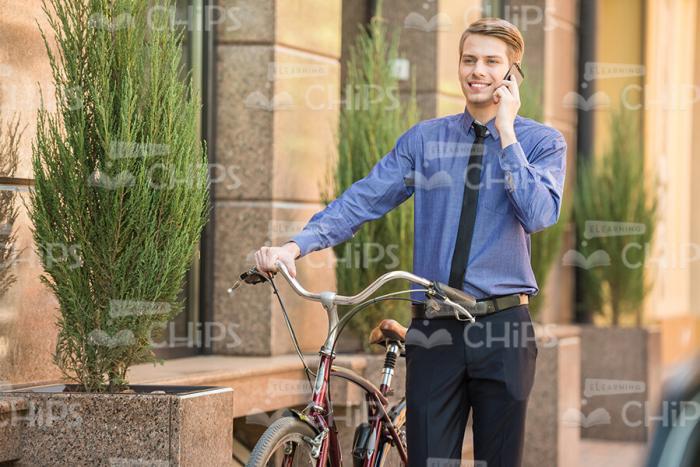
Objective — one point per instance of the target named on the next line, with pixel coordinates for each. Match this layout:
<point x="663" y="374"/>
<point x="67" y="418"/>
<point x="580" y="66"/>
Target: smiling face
<point x="482" y="67"/>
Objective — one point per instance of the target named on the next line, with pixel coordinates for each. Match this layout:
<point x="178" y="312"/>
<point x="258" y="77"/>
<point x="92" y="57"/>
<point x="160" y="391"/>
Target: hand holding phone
<point x="507" y="98"/>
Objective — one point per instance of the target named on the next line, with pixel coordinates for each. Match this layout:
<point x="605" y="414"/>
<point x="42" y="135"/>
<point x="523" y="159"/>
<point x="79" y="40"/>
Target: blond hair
<point x="500" y="29"/>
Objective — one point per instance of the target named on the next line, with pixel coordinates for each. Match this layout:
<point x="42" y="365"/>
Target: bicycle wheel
<point x="283" y="444"/>
<point x="388" y="453"/>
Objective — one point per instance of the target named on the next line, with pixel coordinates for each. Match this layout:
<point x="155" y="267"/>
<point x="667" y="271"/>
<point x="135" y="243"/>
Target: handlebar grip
<point x="456" y="295"/>
<point x="253" y="276"/>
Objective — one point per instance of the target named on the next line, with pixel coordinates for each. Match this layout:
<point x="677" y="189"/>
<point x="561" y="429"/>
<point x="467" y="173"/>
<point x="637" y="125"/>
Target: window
<point x="181" y="336"/>
<point x="493" y="8"/>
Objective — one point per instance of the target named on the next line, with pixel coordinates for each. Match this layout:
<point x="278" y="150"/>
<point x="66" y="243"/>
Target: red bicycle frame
<point x="319" y="410"/>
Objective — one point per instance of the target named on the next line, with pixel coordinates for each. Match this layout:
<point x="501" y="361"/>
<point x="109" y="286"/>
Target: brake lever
<point x="437" y="293"/>
<point x="459" y="308"/>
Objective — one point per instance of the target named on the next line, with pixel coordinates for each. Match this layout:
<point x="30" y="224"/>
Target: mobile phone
<point x="517" y="72"/>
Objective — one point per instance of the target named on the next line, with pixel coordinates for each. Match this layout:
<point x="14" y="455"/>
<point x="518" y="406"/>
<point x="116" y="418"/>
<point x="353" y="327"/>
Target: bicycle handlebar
<point x="360" y="297"/>
<point x="451" y="296"/>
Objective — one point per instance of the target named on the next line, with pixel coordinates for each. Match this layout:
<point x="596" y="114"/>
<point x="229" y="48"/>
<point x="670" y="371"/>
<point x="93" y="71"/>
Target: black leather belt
<point x="483" y="307"/>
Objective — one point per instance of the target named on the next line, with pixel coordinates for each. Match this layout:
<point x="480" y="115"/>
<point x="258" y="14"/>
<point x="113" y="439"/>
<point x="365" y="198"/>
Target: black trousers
<point x="454" y="368"/>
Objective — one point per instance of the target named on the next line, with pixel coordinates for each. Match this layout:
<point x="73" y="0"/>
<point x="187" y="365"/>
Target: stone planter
<point x="620" y="382"/>
<point x="549" y="440"/>
<point x="11" y="434"/>
<point x="156" y="425"/>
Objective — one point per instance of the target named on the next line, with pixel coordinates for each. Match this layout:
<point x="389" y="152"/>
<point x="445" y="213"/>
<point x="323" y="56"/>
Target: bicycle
<point x="309" y="437"/>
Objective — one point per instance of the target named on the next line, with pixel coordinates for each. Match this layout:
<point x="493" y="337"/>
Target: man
<point x="483" y="181"/>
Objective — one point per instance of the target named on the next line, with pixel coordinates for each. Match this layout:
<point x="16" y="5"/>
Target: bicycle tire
<point x="273" y="438"/>
<point x="389" y="456"/>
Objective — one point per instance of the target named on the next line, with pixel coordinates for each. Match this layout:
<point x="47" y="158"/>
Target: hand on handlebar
<point x="266" y="257"/>
<point x="434" y="290"/>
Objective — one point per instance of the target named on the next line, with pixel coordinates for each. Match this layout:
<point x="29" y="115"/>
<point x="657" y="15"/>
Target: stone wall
<point x="29" y="310"/>
<point x="277" y="103"/>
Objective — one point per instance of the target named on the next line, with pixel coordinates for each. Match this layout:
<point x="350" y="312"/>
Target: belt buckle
<point x="481" y="308"/>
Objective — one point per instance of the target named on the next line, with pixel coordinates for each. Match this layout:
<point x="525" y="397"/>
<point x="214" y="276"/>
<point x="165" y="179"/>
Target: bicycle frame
<point x="319" y="409"/>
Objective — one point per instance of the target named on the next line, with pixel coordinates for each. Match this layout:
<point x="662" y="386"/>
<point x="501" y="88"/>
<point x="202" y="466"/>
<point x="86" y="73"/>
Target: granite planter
<point x="11" y="434"/>
<point x="549" y="439"/>
<point x="154" y="425"/>
<point x="620" y="382"/>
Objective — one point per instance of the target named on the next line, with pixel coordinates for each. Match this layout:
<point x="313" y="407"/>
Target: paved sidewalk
<point x="595" y="453"/>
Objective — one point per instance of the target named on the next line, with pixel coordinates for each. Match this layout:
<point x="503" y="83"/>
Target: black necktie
<point x="468" y="215"/>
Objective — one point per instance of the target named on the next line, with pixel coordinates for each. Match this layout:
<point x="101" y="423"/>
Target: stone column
<point x="550" y="30"/>
<point x="278" y="102"/>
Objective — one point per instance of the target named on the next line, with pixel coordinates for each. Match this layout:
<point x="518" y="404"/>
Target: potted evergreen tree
<point x="372" y="119"/>
<point x="120" y="182"/>
<point x="615" y="213"/>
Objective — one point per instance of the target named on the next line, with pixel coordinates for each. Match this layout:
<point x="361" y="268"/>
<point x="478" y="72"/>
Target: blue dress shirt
<point x="520" y="193"/>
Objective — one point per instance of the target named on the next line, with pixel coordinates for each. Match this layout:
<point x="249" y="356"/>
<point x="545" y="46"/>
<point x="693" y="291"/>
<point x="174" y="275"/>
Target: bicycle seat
<point x="388" y="329"/>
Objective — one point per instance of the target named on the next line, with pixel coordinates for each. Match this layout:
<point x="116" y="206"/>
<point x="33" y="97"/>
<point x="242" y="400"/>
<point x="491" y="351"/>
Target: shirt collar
<point x="491" y="125"/>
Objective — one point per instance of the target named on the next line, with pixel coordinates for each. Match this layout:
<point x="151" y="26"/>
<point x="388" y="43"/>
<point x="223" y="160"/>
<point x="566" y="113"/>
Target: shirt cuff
<point x="307" y="241"/>
<point x="513" y="158"/>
